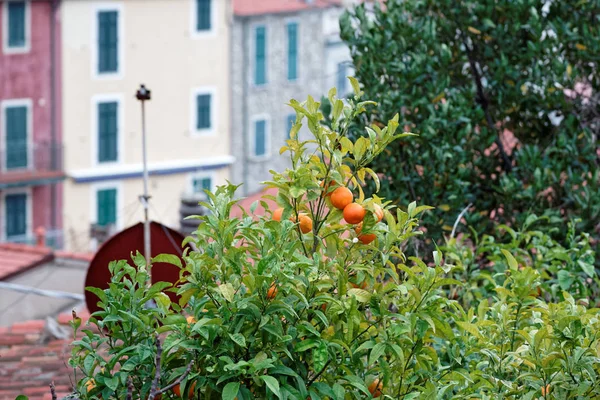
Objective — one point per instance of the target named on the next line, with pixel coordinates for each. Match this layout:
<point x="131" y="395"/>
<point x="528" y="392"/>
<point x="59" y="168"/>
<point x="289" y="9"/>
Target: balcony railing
<point x="25" y="162"/>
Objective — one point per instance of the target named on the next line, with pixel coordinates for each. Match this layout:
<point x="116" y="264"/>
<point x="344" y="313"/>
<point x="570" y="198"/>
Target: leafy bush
<point x="466" y="76"/>
<point x="269" y="308"/>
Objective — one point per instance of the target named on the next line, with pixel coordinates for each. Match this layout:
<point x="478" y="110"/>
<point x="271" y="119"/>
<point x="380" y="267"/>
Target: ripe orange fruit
<point x="177" y="390"/>
<point x="545" y="390"/>
<point x="277" y="214"/>
<point x="375" y="388"/>
<point x="362" y="286"/>
<point x="341" y="197"/>
<point x="306" y="224"/>
<point x="354" y="213"/>
<point x="378" y="212"/>
<point x="190" y="320"/>
<point x="365" y="238"/>
<point x="272" y="292"/>
<point x="91" y="384"/>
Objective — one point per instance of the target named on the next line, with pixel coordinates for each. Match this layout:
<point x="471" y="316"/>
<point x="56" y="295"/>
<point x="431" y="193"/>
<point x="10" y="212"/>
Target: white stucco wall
<point x="161" y="50"/>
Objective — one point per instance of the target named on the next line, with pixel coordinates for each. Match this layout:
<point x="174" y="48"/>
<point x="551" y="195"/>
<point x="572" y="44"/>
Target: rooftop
<point x="245" y="8"/>
<point x="35" y="353"/>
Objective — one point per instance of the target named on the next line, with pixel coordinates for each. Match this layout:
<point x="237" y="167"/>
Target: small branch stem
<point x="53" y="391"/>
<point x="154" y="387"/>
<point x="458" y="219"/>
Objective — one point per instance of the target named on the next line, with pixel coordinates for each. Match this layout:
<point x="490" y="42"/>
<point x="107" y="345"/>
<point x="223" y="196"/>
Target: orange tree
<point x="317" y="301"/>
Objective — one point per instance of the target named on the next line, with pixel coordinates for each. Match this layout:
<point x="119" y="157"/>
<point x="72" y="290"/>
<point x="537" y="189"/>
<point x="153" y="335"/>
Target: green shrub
<point x="267" y="311"/>
<point x="460" y="73"/>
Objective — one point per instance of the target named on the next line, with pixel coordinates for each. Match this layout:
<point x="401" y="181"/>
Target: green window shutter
<point x="107" y="206"/>
<point x="16" y="214"/>
<point x="108" y="42"/>
<point x="203" y="111"/>
<point x="290" y="120"/>
<point x="292" y="32"/>
<point x="260" y="62"/>
<point x="341" y="79"/>
<point x="260" y="138"/>
<point x="16" y="24"/>
<point x="201" y="184"/>
<point x="107" y="132"/>
<point x="203" y="8"/>
<point x="16" y="137"/>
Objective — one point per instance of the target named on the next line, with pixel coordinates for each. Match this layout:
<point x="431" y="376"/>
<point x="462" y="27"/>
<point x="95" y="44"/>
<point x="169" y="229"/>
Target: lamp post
<point x="143" y="95"/>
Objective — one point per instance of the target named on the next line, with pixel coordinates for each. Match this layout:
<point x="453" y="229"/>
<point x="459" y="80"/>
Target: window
<point x="260" y="145"/>
<point x="203" y="15"/>
<point x="341" y="78"/>
<point x="108" y="131"/>
<point x="260" y="60"/>
<point x="16" y="215"/>
<point x="203" y="111"/>
<point x="106" y="206"/>
<point x="201" y="183"/>
<point x="108" y="42"/>
<point x="290" y="120"/>
<point x="16" y="33"/>
<point x="16" y="136"/>
<point x="292" y="33"/>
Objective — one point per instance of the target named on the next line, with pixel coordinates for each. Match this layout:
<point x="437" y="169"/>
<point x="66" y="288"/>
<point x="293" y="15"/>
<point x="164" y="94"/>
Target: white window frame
<point x="4" y="104"/>
<point x="16" y="50"/>
<point x="118" y="7"/>
<point x="253" y="120"/>
<point x="253" y="55"/>
<point x="105" y="98"/>
<point x="212" y="131"/>
<point x="212" y="32"/>
<point x="201" y="175"/>
<point x="29" y="207"/>
<point x="298" y="48"/>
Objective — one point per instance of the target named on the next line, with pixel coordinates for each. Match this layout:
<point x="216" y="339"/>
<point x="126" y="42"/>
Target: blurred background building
<point x="220" y="72"/>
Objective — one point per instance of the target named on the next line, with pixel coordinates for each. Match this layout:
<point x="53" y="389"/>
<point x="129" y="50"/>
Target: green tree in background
<point x="467" y="76"/>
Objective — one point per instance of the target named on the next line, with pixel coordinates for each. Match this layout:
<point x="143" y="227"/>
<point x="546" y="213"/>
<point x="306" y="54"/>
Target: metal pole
<point x="142" y="95"/>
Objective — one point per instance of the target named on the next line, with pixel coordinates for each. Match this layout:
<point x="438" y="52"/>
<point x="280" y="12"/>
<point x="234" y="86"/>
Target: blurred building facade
<point x="280" y="50"/>
<point x="180" y="50"/>
<point x="30" y="121"/>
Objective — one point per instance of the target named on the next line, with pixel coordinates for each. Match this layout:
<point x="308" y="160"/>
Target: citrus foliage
<point x="271" y="310"/>
<point x="463" y="73"/>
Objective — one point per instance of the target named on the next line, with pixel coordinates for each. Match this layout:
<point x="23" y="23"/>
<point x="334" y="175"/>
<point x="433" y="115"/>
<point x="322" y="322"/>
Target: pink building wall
<point x="32" y="76"/>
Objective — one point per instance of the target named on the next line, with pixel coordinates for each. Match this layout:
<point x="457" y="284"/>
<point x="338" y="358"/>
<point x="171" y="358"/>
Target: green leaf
<point x="320" y="356"/>
<point x="361" y="295"/>
<point x="239" y="339"/>
<point x="471" y="328"/>
<point x="162" y="301"/>
<point x="227" y="291"/>
<point x="587" y="268"/>
<point x="377" y="352"/>
<point x="230" y="391"/>
<point x="272" y="384"/>
<point x="21" y="397"/>
<point x="98" y="292"/>
<point x="167" y="258"/>
<point x="512" y="263"/>
<point x="565" y="279"/>
<point x="355" y="85"/>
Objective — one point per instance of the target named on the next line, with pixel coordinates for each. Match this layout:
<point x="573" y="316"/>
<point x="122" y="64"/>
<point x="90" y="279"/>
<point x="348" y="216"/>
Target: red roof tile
<point x="16" y="258"/>
<point x="259" y="7"/>
<point x="28" y="363"/>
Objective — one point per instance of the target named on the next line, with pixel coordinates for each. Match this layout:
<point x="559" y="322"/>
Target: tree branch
<point x="178" y="380"/>
<point x="53" y="390"/>
<point x="483" y="101"/>
<point x="154" y="387"/>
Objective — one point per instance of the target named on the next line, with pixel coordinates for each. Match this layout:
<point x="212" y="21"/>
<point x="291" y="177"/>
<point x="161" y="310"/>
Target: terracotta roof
<point x="259" y="7"/>
<point x="16" y="258"/>
<point x="31" y="357"/>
